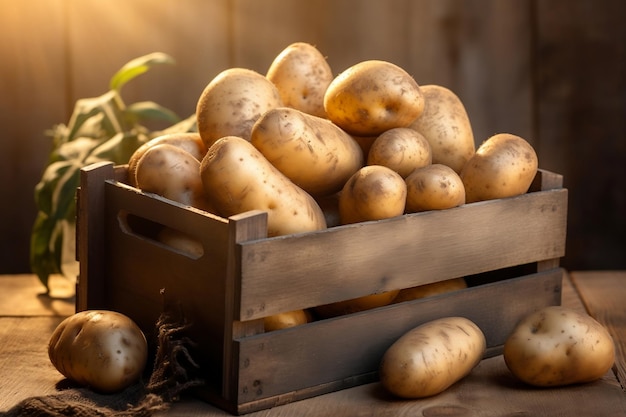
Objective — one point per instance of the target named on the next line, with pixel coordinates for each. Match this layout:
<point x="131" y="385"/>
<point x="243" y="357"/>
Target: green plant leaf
<point x="137" y="67"/>
<point x="41" y="257"/>
<point x="149" y="110"/>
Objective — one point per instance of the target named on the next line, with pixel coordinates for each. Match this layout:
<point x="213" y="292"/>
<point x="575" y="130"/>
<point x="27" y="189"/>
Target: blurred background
<point x="551" y="71"/>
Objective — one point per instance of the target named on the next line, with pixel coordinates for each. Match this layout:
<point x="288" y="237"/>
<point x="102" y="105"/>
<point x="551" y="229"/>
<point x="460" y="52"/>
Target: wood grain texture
<point x="603" y="294"/>
<point x="490" y="391"/>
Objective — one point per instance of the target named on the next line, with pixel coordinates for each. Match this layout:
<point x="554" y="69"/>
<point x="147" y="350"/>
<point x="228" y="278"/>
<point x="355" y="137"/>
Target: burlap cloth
<point x="172" y="373"/>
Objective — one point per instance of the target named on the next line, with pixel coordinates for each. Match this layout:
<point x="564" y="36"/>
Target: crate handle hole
<point x="160" y="235"/>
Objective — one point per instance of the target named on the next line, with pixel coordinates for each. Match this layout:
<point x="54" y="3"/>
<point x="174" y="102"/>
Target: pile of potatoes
<point x="317" y="150"/>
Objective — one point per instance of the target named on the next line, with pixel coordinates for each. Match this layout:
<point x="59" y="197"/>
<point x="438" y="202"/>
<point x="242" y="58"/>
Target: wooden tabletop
<point x="28" y="318"/>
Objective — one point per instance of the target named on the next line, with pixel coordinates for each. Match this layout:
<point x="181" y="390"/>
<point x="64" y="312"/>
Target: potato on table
<point x="104" y="350"/>
<point x="558" y="346"/>
<point x="428" y="359"/>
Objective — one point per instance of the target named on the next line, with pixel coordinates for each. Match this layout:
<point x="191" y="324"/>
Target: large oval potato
<point x="446" y="125"/>
<point x="433" y="187"/>
<point x="401" y="149"/>
<point x="104" y="350"/>
<point x="301" y="74"/>
<point x="371" y="97"/>
<point x="188" y="141"/>
<point x="558" y="346"/>
<point x="430" y="358"/>
<point x="238" y="178"/>
<point x="173" y="173"/>
<point x="231" y="103"/>
<point x="374" y="192"/>
<point x="312" y="152"/>
<point x="503" y="166"/>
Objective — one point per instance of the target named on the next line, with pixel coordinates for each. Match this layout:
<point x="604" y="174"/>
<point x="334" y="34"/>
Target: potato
<point x="428" y="359"/>
<point x="355" y="305"/>
<point x="173" y="173"/>
<point x="434" y="187"/>
<point x="104" y="350"/>
<point x="181" y="242"/>
<point x="301" y="75"/>
<point x="558" y="346"/>
<point x="188" y="141"/>
<point x="503" y="166"/>
<point x="285" y="320"/>
<point x="371" y="97"/>
<point x="446" y="125"/>
<point x="374" y="192"/>
<point x="238" y="178"/>
<point x="428" y="290"/>
<point x="231" y="103"/>
<point x="312" y="152"/>
<point x="401" y="149"/>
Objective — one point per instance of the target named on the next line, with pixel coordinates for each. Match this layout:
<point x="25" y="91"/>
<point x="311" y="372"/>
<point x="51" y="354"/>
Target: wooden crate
<point x="507" y="249"/>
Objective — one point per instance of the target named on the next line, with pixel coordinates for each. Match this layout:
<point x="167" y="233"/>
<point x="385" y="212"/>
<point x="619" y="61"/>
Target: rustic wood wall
<point x="551" y="71"/>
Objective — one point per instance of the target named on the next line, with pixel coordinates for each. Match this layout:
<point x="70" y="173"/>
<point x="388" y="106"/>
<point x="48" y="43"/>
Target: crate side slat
<point x="366" y="258"/>
<point x="146" y="278"/>
<point x="319" y="353"/>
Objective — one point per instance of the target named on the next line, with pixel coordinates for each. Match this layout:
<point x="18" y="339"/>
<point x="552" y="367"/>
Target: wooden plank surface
<point x="489" y="391"/>
<point x="604" y="296"/>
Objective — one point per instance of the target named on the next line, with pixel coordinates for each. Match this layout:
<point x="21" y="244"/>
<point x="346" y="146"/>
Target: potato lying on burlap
<point x="558" y="346"/>
<point x="104" y="350"/>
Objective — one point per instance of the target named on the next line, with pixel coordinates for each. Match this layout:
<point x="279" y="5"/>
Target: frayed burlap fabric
<point x="171" y="375"/>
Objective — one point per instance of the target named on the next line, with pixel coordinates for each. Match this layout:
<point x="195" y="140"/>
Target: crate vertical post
<point x="241" y="227"/>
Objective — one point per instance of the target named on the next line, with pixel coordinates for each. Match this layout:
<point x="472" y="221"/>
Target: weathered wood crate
<point x="507" y="249"/>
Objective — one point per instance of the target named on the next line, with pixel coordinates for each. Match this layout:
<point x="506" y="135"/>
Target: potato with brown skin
<point x="286" y="320"/>
<point x="374" y="192"/>
<point x="557" y="346"/>
<point x="104" y="350"/>
<point x="238" y="178"/>
<point x="355" y="305"/>
<point x="434" y="187"/>
<point x="312" y="152"/>
<point x="188" y="141"/>
<point x="173" y="173"/>
<point x="181" y="242"/>
<point x="428" y="290"/>
<point x="401" y="149"/>
<point x="503" y="166"/>
<point x="446" y="125"/>
<point x="371" y="97"/>
<point x="428" y="359"/>
<point x="301" y="74"/>
<point x="231" y="103"/>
